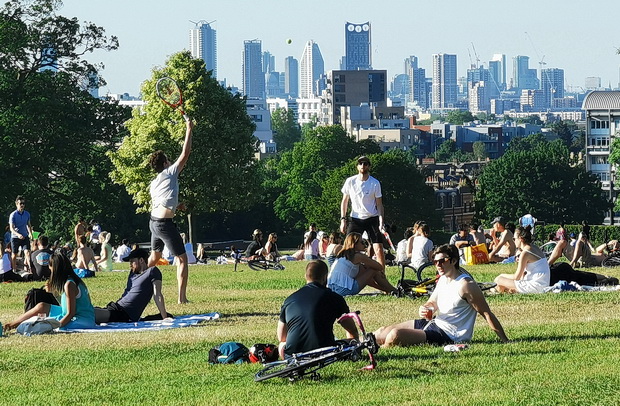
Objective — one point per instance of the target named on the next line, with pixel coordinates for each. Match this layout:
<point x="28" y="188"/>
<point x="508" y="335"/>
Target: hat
<point x="256" y="232"/>
<point x="137" y="253"/>
<point x="363" y="158"/>
<point x="499" y="220"/>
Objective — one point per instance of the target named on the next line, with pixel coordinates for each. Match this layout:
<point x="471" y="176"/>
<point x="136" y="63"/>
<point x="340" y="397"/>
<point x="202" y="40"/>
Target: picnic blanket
<point x="178" y="321"/>
<point x="564" y="286"/>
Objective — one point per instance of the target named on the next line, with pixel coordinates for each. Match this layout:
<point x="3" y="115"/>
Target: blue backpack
<point x="230" y="352"/>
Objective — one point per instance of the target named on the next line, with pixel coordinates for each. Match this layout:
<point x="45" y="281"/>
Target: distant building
<point x="311" y="67"/>
<point x="444" y="81"/>
<point x="523" y="77"/>
<point x="593" y="83"/>
<point x="497" y="68"/>
<point x="291" y="77"/>
<point x="353" y="88"/>
<point x="269" y="62"/>
<point x="418" y="92"/>
<point x="552" y="85"/>
<point x="602" y="109"/>
<point x="399" y="89"/>
<point x="532" y="100"/>
<point x="253" y="77"/>
<point x="357" y="46"/>
<point x="203" y="45"/>
<point x="261" y="117"/>
<point x="309" y="110"/>
<point x="274" y="86"/>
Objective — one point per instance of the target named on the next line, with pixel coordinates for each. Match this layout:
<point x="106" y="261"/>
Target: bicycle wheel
<point x="262" y="264"/>
<point x="486" y="285"/>
<point x="426" y="271"/>
<point x="611" y="261"/>
<point x="296" y="368"/>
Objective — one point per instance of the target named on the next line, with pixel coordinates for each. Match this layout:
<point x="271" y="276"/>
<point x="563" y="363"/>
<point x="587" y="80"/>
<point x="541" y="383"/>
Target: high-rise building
<point x="269" y="62"/>
<point x="357" y="46"/>
<point x="497" y="67"/>
<point x="444" y="81"/>
<point x="593" y="83"/>
<point x="552" y="84"/>
<point x="417" y="82"/>
<point x="353" y="88"/>
<point x="203" y="45"/>
<point x="253" y="76"/>
<point x="291" y="76"/>
<point x="312" y="67"/>
<point x="523" y="77"/>
<point x="480" y="91"/>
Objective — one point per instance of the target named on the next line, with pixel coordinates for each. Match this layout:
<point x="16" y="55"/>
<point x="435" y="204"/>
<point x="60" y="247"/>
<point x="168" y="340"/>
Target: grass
<point x="564" y="351"/>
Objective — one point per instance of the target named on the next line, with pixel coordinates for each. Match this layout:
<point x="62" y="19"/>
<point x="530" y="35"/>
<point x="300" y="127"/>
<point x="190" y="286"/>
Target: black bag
<point x="38" y="295"/>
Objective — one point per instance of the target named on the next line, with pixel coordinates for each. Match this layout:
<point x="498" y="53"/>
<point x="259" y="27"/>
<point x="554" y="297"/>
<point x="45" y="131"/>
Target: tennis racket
<point x="170" y="93"/>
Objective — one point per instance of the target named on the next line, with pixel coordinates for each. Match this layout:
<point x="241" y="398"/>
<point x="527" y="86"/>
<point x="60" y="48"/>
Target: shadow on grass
<point x="252" y="314"/>
<point x="529" y="339"/>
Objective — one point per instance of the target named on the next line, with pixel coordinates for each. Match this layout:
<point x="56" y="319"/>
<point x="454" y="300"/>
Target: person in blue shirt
<point x="21" y="232"/>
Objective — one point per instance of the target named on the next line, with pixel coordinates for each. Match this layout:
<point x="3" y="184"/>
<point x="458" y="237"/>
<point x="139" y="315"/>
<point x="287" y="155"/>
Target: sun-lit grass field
<point x="565" y="350"/>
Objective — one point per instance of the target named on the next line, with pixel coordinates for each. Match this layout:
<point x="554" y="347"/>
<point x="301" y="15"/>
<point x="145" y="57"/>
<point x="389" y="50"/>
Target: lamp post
<point x="453" y="195"/>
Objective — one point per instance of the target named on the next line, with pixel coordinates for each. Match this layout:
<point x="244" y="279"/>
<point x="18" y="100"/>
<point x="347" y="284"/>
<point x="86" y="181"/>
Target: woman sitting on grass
<point x="532" y="274"/>
<point x="75" y="310"/>
<point x="453" y="304"/>
<point x="334" y="247"/>
<point x="311" y="247"/>
<point x="353" y="270"/>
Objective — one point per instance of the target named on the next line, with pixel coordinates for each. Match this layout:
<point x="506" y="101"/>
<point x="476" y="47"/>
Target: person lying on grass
<point x="143" y="283"/>
<point x="449" y="314"/>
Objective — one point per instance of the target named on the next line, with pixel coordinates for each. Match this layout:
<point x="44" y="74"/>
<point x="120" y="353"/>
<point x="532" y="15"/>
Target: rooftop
<point x="602" y="100"/>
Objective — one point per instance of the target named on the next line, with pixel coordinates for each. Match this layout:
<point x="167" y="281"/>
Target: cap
<point x="256" y="232"/>
<point x="499" y="220"/>
<point x="363" y="158"/>
<point x="137" y="253"/>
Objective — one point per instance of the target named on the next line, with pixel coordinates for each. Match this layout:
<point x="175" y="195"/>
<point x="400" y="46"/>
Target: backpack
<point x="38" y="295"/>
<point x="230" y="352"/>
<point x="38" y="325"/>
<point x="263" y="353"/>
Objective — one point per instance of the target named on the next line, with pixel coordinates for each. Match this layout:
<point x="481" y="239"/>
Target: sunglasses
<point x="441" y="260"/>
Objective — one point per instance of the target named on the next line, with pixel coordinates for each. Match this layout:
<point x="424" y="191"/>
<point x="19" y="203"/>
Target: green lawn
<point x="565" y="351"/>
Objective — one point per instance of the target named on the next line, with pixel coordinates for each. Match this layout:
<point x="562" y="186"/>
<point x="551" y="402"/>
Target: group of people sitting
<point x="76" y="309"/>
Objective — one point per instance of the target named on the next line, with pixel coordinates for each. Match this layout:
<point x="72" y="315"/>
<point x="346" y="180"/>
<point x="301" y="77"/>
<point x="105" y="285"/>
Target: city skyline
<point x="149" y="32"/>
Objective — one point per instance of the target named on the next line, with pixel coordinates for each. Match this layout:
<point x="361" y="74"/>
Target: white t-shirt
<point x="363" y="196"/>
<point x="401" y="251"/>
<point x="420" y="250"/>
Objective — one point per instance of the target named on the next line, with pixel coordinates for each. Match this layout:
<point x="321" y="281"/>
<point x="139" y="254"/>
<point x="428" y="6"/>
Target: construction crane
<point x="476" y="55"/>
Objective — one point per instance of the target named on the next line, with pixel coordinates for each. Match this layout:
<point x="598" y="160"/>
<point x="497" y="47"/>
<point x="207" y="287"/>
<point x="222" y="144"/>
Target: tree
<point x="221" y="174"/>
<point x="458" y="117"/>
<point x="448" y="152"/>
<point x="55" y="134"/>
<point x="564" y="131"/>
<point x="286" y="131"/>
<point x="406" y="197"/>
<point x="480" y="150"/>
<point x="538" y="177"/>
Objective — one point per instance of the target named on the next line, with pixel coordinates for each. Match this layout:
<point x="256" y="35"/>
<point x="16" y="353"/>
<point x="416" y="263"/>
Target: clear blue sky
<point x="579" y="37"/>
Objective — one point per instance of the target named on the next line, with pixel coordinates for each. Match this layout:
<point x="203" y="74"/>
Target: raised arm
<point x="187" y="144"/>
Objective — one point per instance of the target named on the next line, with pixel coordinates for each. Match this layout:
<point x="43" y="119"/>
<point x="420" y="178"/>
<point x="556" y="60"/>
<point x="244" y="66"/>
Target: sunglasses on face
<point x="441" y="261"/>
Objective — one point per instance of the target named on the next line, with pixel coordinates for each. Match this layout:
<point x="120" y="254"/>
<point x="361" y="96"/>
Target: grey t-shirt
<point x="165" y="188"/>
<point x="138" y="292"/>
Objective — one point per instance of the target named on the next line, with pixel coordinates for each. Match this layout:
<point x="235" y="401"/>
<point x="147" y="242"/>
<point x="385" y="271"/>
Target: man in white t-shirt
<point x="364" y="192"/>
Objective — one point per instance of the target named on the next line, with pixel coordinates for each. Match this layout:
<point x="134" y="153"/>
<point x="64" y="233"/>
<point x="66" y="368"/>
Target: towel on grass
<point x="178" y="321"/>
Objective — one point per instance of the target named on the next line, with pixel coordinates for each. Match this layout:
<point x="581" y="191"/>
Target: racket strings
<point x="169" y="91"/>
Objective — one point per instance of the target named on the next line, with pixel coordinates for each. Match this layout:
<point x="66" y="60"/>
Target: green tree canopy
<point x="55" y="135"/>
<point x="538" y="177"/>
<point x="286" y="131"/>
<point x="458" y="117"/>
<point x="221" y="174"/>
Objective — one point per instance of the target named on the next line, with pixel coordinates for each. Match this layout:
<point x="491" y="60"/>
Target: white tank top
<point x="456" y="317"/>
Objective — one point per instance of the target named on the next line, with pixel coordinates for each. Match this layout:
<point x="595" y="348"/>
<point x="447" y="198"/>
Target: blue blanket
<point x="178" y="321"/>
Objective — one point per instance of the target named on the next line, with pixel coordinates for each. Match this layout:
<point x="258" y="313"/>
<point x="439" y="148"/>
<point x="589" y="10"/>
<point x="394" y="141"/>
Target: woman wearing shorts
<point x="353" y="270"/>
<point x="449" y="314"/>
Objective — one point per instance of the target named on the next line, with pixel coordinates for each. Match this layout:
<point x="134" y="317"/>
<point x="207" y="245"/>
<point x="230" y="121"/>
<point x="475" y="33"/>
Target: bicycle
<point x="264" y="264"/>
<point x="308" y="363"/>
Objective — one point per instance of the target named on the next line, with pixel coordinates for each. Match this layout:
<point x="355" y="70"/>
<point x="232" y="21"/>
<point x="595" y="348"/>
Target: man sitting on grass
<point x="142" y="284"/>
<point x="308" y="315"/>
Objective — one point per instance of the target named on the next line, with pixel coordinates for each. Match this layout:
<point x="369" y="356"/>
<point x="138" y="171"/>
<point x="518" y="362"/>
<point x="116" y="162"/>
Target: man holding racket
<point x="164" y="191"/>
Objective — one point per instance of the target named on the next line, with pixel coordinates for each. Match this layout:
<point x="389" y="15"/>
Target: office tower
<point x="417" y="82"/>
<point x="269" y="62"/>
<point x="523" y="76"/>
<point x="497" y="67"/>
<point x="253" y="76"/>
<point x="444" y="81"/>
<point x="357" y="46"/>
<point x="291" y="77"/>
<point x="353" y="88"/>
<point x="593" y="83"/>
<point x="203" y="45"/>
<point x="312" y="67"/>
<point x="552" y="84"/>
<point x="481" y="74"/>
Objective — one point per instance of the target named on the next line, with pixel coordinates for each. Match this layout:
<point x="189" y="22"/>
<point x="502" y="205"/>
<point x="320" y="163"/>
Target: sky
<point x="579" y="37"/>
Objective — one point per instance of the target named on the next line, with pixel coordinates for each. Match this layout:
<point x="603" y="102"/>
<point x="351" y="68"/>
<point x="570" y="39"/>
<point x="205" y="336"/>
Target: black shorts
<point x="434" y="335"/>
<point x="111" y="313"/>
<point x="16" y="243"/>
<point x="370" y="225"/>
<point x="165" y="232"/>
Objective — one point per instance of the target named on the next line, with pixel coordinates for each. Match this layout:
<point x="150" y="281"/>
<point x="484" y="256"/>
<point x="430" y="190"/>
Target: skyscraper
<point x="203" y="45"/>
<point x="444" y="81"/>
<point x="291" y="76"/>
<point x="552" y="84"/>
<point x="253" y="76"/>
<point x="497" y="67"/>
<point x="269" y="62"/>
<point x="312" y="67"/>
<point x="523" y="76"/>
<point x="357" y="46"/>
<point x="417" y="82"/>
